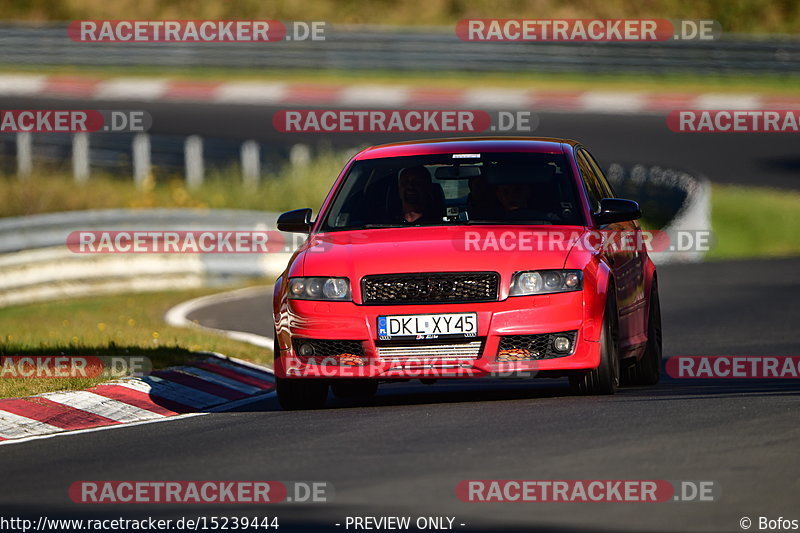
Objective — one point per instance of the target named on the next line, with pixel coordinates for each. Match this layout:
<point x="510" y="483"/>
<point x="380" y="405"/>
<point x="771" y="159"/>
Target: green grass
<point x="750" y="222"/>
<point x="769" y="84"/>
<point x="751" y="16"/>
<point x="109" y="325"/>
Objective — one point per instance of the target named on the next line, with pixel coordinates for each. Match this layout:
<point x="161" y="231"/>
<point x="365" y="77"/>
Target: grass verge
<point x="129" y="324"/>
<point x="751" y="222"/>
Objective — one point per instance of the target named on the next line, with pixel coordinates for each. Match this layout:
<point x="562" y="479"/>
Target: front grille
<point x="461" y="350"/>
<point x="529" y="347"/>
<point x="449" y="287"/>
<point x="331" y="352"/>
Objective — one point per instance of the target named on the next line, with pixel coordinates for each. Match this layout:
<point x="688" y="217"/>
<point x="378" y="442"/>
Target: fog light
<point x="572" y="280"/>
<point x="561" y="344"/>
<point x="306" y="350"/>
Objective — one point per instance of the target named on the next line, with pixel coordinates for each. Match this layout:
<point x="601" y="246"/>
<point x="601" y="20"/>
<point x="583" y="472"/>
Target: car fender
<point x="597" y="278"/>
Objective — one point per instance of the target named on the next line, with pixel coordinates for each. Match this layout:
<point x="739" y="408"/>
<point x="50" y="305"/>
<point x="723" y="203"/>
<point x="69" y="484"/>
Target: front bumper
<point x="346" y="321"/>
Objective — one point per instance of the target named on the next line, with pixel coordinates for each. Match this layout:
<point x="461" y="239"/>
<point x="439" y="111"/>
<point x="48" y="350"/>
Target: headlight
<point x="545" y="282"/>
<point x="319" y="289"/>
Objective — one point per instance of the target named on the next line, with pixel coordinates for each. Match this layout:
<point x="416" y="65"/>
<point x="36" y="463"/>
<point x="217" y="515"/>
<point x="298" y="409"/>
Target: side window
<point x="593" y="188"/>
<point x="608" y="191"/>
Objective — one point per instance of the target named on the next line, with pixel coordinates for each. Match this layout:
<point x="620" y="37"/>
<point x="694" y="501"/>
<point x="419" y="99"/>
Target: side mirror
<point x="297" y="221"/>
<point x="616" y="210"/>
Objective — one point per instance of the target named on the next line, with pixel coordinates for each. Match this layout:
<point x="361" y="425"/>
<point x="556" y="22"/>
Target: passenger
<point x="415" y="188"/>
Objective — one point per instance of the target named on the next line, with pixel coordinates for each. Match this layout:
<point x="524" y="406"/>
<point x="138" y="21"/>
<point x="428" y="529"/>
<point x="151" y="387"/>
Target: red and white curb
<point x="388" y="96"/>
<point x="215" y="383"/>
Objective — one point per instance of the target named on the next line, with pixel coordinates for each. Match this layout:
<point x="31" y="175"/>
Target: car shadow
<point x="504" y="390"/>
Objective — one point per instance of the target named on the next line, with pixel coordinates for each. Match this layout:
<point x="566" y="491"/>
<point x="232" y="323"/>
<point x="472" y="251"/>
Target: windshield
<point x="455" y="189"/>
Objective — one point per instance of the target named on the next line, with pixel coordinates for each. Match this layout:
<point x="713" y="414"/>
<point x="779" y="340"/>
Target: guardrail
<point x="36" y="265"/>
<point x="421" y="49"/>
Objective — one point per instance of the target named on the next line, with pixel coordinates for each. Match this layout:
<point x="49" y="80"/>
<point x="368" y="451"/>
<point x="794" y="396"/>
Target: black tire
<point x="647" y="370"/>
<point x="357" y="389"/>
<point x="605" y="378"/>
<point x="300" y="393"/>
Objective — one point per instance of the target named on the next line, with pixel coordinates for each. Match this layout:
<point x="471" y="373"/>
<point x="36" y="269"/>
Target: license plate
<point x="419" y="327"/>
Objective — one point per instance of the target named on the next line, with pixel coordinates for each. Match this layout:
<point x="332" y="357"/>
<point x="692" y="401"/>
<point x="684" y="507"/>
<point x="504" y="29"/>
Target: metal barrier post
<point x="193" y="160"/>
<point x="80" y="157"/>
<point x="24" y="154"/>
<point x="251" y="163"/>
<point x="141" y="159"/>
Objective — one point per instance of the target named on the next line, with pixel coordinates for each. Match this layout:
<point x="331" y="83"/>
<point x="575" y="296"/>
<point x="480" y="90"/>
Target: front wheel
<point x="605" y="378"/>
<point x="299" y="393"/>
<point x="357" y="389"/>
<point x="647" y="370"/>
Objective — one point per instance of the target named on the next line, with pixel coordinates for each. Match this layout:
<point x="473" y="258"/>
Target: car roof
<point x="543" y="145"/>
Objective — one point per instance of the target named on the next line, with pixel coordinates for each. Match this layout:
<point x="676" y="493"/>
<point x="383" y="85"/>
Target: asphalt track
<point x="405" y="453"/>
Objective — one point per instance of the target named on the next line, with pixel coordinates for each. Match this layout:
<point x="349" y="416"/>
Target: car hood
<point x="503" y="249"/>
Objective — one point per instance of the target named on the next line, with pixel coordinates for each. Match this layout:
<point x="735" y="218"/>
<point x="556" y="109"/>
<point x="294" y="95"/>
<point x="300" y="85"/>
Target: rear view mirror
<point x="457" y="172"/>
<point x="616" y="210"/>
<point x="297" y="221"/>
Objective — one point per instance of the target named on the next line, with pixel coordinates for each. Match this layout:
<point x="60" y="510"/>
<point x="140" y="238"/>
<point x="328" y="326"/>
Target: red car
<point x="463" y="258"/>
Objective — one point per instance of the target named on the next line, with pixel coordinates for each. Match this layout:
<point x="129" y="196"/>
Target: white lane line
<point x="498" y="98"/>
<point x="250" y="93"/>
<point x="21" y="85"/>
<point x="146" y="89"/>
<point x="176" y="316"/>
<point x="612" y="102"/>
<point x="13" y="426"/>
<point x="727" y="101"/>
<point x="101" y="406"/>
<point x="175" y="392"/>
<point x="218" y="379"/>
<point x="381" y="95"/>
